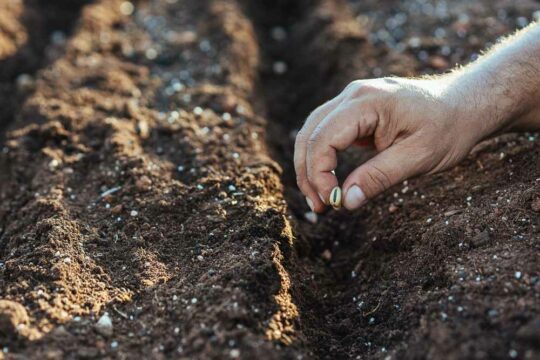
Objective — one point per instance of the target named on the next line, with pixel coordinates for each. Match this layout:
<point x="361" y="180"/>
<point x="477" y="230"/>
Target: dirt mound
<point x="148" y="205"/>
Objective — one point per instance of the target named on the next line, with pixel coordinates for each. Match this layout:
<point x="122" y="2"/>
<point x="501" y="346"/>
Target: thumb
<point x="390" y="167"/>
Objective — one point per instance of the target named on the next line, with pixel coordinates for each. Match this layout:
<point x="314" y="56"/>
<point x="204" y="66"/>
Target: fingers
<point x="300" y="150"/>
<point x="388" y="168"/>
<point x="347" y="123"/>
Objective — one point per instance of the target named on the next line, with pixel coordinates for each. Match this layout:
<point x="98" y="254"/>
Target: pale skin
<point x="418" y="126"/>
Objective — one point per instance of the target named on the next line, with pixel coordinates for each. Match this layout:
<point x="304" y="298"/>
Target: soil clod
<point x="12" y="316"/>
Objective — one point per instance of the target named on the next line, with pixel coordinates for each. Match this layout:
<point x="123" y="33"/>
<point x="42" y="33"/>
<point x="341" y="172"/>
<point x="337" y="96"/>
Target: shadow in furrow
<point x="311" y="49"/>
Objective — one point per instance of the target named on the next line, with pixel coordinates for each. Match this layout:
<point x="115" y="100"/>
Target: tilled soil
<point x="146" y="178"/>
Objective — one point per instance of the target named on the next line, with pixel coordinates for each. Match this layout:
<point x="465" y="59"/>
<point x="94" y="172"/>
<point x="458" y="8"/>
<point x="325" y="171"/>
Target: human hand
<point x="415" y="126"/>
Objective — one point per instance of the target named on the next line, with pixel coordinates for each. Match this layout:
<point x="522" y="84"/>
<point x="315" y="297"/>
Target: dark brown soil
<point x="31" y="34"/>
<point x="146" y="177"/>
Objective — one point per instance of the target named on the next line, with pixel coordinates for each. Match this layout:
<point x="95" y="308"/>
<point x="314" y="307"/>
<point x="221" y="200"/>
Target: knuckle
<point x="315" y="114"/>
<point x="354" y="89"/>
<point x="359" y="88"/>
<point x="300" y="138"/>
<point x="390" y="80"/>
<point x="314" y="138"/>
<point x="356" y="84"/>
<point x="379" y="180"/>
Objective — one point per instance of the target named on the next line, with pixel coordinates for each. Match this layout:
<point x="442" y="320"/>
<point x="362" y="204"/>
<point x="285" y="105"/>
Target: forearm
<point x="501" y="90"/>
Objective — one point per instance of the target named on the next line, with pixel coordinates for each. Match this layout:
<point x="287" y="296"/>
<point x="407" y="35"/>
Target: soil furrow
<point x="383" y="293"/>
<point x="320" y="47"/>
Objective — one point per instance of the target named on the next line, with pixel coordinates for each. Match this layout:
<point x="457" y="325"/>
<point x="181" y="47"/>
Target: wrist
<point x="479" y="103"/>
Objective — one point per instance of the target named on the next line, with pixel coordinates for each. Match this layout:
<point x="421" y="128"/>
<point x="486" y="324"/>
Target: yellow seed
<point x="335" y="197"/>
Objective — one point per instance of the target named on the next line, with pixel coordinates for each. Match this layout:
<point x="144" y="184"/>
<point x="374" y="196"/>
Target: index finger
<point x="339" y="130"/>
<point x="300" y="150"/>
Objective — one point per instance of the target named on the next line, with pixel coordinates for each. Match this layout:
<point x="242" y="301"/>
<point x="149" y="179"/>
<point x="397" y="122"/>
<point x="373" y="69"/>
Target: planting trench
<point x="148" y="176"/>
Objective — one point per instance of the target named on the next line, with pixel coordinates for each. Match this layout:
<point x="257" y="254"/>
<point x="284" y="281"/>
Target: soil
<point x="145" y="178"/>
<point x="31" y="34"/>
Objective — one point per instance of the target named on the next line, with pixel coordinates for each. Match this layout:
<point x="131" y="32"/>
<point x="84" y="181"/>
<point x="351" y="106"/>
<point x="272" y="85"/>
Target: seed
<point x="335" y="197"/>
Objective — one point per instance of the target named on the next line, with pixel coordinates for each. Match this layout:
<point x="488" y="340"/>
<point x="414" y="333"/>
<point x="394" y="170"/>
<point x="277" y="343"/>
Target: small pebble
<point x="183" y="38"/>
<point x="127" y="8"/>
<point x="151" y="53"/>
<point x="53" y="164"/>
<point x="104" y="326"/>
<point x="326" y="255"/>
<point x="311" y="217"/>
<point x="278" y="33"/>
<point x="438" y="62"/>
<point x="134" y="213"/>
<point x="279" y="67"/>
<point x="117" y="209"/>
<point x="226" y="116"/>
<point x="58" y="37"/>
<point x="143" y="129"/>
<point x="25" y="83"/>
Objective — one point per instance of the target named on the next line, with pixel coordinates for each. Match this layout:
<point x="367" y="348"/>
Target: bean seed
<point x="335" y="197"/>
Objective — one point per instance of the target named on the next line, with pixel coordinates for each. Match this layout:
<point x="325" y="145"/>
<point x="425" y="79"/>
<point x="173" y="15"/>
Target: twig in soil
<point x="156" y="298"/>
<point x="122" y="314"/>
<point x="480" y="165"/>
<point x="372" y="311"/>
<point x="109" y="192"/>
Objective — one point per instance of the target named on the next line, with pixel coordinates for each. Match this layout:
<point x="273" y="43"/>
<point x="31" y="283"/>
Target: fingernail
<point x="354" y="197"/>
<point x="322" y="199"/>
<point x="310" y="204"/>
